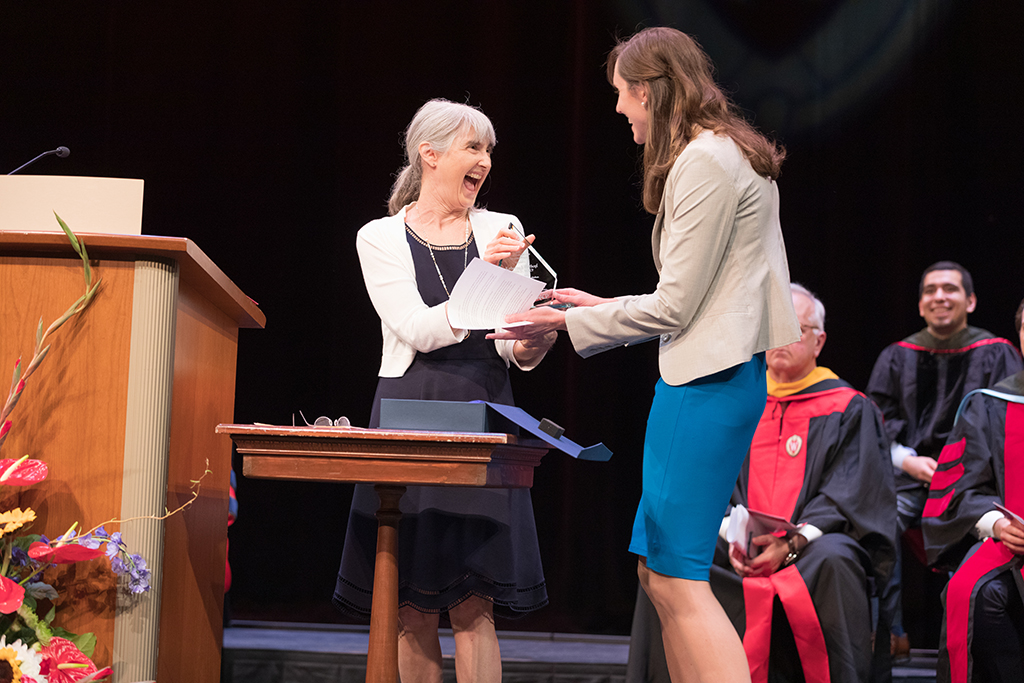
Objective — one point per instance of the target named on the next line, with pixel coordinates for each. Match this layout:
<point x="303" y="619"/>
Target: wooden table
<point x="390" y="460"/>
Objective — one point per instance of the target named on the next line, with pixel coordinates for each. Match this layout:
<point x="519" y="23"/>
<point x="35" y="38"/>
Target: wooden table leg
<point x="382" y="655"/>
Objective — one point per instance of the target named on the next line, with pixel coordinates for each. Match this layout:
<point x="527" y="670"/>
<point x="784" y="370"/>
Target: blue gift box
<point x="480" y="416"/>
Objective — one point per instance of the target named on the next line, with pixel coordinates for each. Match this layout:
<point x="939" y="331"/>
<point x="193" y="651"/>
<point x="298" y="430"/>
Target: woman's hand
<point x="543" y="321"/>
<point x="577" y="297"/>
<point x="506" y="248"/>
<point x="528" y="352"/>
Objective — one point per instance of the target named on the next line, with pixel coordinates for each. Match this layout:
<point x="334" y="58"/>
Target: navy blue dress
<point x="453" y="543"/>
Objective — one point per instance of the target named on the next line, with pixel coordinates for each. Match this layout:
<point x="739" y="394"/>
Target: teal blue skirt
<point x="697" y="437"/>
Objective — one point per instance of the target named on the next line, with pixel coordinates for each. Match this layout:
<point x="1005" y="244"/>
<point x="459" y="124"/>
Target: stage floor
<point x="277" y="652"/>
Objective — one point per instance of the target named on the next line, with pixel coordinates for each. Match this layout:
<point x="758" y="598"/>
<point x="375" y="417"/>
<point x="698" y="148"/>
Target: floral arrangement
<point x="32" y="648"/>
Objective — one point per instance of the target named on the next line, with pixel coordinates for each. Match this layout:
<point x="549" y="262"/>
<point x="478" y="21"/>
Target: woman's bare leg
<point x="701" y="644"/>
<point x="419" y="650"/>
<point x="477" y="657"/>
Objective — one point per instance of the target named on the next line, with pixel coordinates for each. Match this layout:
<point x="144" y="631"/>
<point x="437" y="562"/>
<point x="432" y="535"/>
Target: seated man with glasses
<point x="820" y="460"/>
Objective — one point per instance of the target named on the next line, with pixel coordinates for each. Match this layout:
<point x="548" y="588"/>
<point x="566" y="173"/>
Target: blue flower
<point x="19" y="558"/>
<point x="138" y="582"/>
<point x="41" y="591"/>
<point x="114" y="544"/>
<point x="89" y="542"/>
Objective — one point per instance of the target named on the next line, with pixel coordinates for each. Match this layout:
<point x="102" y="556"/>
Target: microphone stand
<point x="60" y="151"/>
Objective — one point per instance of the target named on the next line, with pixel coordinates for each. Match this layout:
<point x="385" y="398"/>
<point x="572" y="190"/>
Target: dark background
<point x="268" y="133"/>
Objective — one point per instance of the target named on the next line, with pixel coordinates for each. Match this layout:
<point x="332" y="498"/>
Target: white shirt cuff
<point x="725" y="527"/>
<point x="899" y="453"/>
<point x="810" y="532"/>
<point x="985" y="526"/>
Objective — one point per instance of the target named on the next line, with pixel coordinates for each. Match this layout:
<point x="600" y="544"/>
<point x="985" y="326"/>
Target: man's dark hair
<point x="965" y="276"/>
<point x="1017" y="319"/>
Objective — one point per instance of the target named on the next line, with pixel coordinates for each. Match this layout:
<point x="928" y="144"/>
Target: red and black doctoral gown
<point x="819" y="456"/>
<point x="982" y="464"/>
<point x="918" y="384"/>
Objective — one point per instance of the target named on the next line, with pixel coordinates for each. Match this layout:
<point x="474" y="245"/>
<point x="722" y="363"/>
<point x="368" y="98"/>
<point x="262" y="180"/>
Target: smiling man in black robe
<point x="982" y="465"/>
<point x="918" y="384"/>
<point x="819" y="459"/>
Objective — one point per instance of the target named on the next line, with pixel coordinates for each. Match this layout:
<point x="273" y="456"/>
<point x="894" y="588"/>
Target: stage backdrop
<point x="269" y="133"/>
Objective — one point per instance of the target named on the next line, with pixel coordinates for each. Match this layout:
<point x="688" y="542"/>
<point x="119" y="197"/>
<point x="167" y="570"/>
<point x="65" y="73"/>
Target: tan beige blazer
<point x="723" y="293"/>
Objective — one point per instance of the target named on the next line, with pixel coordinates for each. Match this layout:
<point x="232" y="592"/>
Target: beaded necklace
<point x="430" y="248"/>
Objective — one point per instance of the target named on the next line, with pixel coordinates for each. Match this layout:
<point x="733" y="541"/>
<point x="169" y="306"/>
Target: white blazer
<point x="723" y="291"/>
<point x="407" y="324"/>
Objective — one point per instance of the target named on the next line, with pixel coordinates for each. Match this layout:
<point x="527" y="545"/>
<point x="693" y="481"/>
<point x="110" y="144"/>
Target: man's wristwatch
<point x="793" y="552"/>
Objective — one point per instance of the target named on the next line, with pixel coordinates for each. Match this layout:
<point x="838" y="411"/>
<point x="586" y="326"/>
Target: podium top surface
<point x="386" y="456"/>
<point x="382" y="435"/>
<point x="195" y="267"/>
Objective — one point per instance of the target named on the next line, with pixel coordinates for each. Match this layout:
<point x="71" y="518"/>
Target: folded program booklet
<point x="746" y="525"/>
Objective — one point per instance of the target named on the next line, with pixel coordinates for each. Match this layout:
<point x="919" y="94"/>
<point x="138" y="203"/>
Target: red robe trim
<point x="758" y="596"/>
<point x="778" y="453"/>
<point x="960" y="604"/>
<point x="991" y="556"/>
<point x="943" y="479"/>
<point x="1013" y="457"/>
<point x="983" y="342"/>
<point x="934" y="507"/>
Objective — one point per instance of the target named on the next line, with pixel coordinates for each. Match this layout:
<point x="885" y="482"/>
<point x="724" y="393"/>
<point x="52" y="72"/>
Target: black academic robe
<point x="818" y="457"/>
<point x="982" y="464"/>
<point x="918" y="384"/>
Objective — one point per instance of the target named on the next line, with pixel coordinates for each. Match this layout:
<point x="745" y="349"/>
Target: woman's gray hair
<point x="438" y="122"/>
<point x="819" y="308"/>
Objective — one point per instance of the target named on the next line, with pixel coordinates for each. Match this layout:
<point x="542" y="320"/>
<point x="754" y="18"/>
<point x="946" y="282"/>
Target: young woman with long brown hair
<point x="722" y="300"/>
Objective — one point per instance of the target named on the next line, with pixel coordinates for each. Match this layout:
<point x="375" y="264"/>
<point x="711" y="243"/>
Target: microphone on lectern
<point x="60" y="151"/>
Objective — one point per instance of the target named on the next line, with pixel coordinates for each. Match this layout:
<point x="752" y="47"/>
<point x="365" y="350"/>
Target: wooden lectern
<point x="123" y="410"/>
<point x="390" y="459"/>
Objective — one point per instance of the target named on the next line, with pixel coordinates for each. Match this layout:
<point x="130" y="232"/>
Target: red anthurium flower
<point x="12" y="594"/>
<point x="64" y="554"/>
<point x="22" y="472"/>
<point x="65" y="663"/>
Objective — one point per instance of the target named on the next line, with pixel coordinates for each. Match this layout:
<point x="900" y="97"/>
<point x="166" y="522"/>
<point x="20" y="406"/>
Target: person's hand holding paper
<point x="485" y="294"/>
<point x="1009" y="530"/>
<point x="757" y="542"/>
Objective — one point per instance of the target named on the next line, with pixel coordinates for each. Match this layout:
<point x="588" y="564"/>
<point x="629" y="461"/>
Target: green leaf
<point x="71" y="235"/>
<point x="85" y="255"/>
<point x="18" y="631"/>
<point x="17" y="374"/>
<point x="89" y="295"/>
<point x="50" y="615"/>
<point x="85" y="642"/>
<point x="25" y="541"/>
<point x="39" y="358"/>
